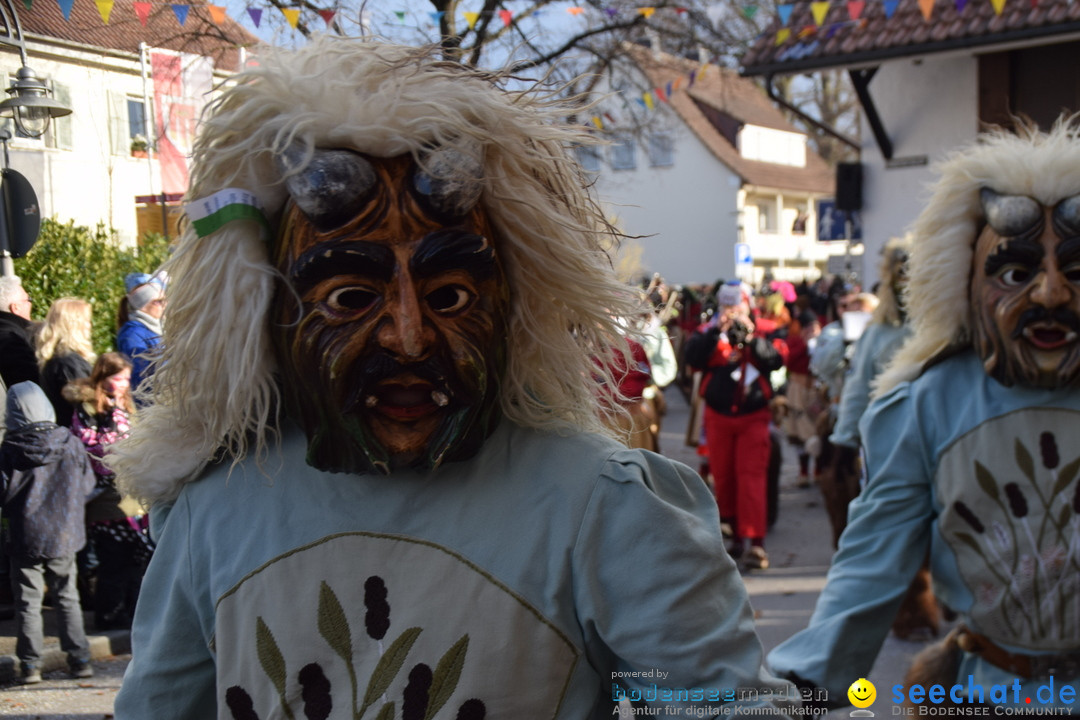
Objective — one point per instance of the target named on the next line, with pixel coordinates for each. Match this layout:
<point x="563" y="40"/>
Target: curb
<point x="102" y="645"/>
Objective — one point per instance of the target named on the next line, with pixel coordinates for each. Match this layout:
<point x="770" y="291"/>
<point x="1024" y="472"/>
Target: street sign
<point x="831" y="223"/>
<point x="744" y="262"/>
<point x="19" y="212"/>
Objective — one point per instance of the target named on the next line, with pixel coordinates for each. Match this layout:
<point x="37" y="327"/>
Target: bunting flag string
<point x="181" y="13"/>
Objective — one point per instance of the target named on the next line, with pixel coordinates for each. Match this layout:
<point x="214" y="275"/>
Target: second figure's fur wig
<point x="215" y="389"/>
<point x="894" y="255"/>
<point x="1043" y="166"/>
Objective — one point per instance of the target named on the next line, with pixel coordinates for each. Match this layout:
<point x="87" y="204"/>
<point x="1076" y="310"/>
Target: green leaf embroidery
<point x="333" y="625"/>
<point x="388" y="666"/>
<point x="386" y="713"/>
<point x="1024" y="460"/>
<point x="986" y="480"/>
<point x="272" y="661"/>
<point x="447" y="674"/>
<point x="1068" y="473"/>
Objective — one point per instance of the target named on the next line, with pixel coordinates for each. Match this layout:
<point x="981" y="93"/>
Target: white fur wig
<point x="893" y="256"/>
<point x="1043" y="166"/>
<point x="215" y="390"/>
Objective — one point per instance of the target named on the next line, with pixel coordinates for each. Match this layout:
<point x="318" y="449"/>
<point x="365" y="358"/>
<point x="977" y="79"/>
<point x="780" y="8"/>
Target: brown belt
<point x="1025" y="666"/>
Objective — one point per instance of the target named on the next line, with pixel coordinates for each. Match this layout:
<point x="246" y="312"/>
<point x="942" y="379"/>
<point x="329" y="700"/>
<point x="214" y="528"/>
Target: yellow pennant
<point x="927" y="7"/>
<point x="820" y="10"/>
<point x="999" y="5"/>
<point x="217" y="13"/>
<point x="782" y="35"/>
<point x="471" y="18"/>
<point x="647" y="97"/>
<point x="292" y="15"/>
<point x="598" y="122"/>
<point x="104" y="8"/>
<point x="647" y="12"/>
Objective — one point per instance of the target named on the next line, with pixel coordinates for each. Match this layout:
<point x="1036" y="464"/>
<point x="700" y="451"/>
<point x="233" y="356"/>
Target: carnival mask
<point x="1025" y="290"/>
<point x="390" y="333"/>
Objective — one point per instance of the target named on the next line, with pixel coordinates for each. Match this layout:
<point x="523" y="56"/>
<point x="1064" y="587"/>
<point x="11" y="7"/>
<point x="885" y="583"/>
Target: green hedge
<point x="74" y="260"/>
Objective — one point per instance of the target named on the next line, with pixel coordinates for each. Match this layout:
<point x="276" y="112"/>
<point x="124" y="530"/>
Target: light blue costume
<point x="987" y="476"/>
<point x="873" y="350"/>
<point x="533" y="579"/>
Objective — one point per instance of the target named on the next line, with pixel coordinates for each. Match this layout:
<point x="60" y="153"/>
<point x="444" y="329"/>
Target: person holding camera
<point x="737" y="359"/>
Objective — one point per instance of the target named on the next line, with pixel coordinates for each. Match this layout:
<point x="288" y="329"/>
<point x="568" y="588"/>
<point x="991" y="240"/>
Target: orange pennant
<point x="927" y="7"/>
<point x="217" y="13"/>
<point x="646" y="12"/>
<point x="576" y="10"/>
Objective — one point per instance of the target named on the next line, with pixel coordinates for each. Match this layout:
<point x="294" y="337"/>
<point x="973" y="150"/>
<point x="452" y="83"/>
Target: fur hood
<point x="78" y="391"/>
<point x="1043" y="166"/>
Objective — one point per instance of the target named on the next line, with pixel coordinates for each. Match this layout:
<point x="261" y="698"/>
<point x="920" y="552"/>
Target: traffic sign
<point x="832" y="223"/>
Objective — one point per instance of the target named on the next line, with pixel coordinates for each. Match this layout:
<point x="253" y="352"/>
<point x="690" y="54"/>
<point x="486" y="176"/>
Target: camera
<point x="738" y="333"/>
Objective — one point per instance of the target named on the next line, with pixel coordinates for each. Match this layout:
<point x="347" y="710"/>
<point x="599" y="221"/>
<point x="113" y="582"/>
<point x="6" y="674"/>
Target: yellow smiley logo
<point x="862" y="693"/>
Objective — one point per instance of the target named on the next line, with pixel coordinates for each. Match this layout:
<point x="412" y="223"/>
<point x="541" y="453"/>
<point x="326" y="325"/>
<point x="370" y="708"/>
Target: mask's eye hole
<point x="449" y="181"/>
<point x="351" y="299"/>
<point x="1067" y="217"/>
<point x="449" y="299"/>
<point x="331" y="187"/>
<point x="1015" y="276"/>
<point x="1010" y="215"/>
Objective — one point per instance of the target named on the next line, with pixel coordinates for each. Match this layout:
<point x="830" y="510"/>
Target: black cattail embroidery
<point x="1076" y="499"/>
<point x="1049" y="450"/>
<point x="414" y="700"/>
<point x="239" y="704"/>
<point x="377" y="617"/>
<point x="965" y="512"/>
<point x="1016" y="500"/>
<point x="315" y="692"/>
<point x="472" y="710"/>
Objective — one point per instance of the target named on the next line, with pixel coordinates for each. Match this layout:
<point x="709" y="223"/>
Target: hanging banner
<point x="182" y="84"/>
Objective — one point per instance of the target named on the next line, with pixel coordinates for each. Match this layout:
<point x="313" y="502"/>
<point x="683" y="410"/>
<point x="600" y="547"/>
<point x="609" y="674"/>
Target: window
<point x="622" y="153"/>
<point x="799" y="226"/>
<point x="589" y="157"/>
<point x="766" y="214"/>
<point x="127" y="123"/>
<point x="661" y="150"/>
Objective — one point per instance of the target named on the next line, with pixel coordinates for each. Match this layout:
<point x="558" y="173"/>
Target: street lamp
<point x="29" y="104"/>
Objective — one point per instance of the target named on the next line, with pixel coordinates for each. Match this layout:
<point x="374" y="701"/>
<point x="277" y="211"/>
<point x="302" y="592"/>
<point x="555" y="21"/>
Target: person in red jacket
<point x="738" y="360"/>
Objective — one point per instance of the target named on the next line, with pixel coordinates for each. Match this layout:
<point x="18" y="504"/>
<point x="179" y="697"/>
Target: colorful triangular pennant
<point x="65" y="7"/>
<point x="507" y="16"/>
<point x="255" y="14"/>
<point x="646" y="12"/>
<point x="999" y="6"/>
<point x="785" y="13"/>
<point x="292" y="16"/>
<point x="782" y="35"/>
<point x="142" y="11"/>
<point x="647" y="97"/>
<point x="890" y="8"/>
<point x="576" y="10"/>
<point x="400" y="15"/>
<point x="471" y="18"/>
<point x="104" y="8"/>
<point x="819" y="10"/>
<point x="217" y="13"/>
<point x="749" y="11"/>
<point x="181" y="13"/>
<point x="436" y="17"/>
<point x="855" y="8"/>
<point x="327" y="16"/>
<point x="927" y="7"/>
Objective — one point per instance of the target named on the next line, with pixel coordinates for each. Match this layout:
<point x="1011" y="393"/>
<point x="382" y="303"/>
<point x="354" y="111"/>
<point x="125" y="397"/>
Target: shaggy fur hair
<point x="888" y="310"/>
<point x="1043" y="166"/>
<point x="215" y="388"/>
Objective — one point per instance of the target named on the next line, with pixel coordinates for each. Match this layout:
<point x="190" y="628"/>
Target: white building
<point x="936" y="81"/>
<point x="710" y="165"/>
<point x="85" y="168"/>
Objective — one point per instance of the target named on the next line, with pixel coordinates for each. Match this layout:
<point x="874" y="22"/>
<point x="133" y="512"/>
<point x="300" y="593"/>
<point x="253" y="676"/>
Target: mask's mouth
<point x="1049" y="335"/>
<point x="406" y="399"/>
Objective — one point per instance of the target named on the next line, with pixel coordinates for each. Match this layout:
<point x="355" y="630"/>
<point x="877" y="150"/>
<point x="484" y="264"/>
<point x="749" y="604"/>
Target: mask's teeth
<point x="439" y="398"/>
<point x="371" y="401"/>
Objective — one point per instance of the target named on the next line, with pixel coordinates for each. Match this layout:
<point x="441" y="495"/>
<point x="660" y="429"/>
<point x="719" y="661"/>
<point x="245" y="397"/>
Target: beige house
<point x="91" y="166"/>
<point x="711" y="165"/>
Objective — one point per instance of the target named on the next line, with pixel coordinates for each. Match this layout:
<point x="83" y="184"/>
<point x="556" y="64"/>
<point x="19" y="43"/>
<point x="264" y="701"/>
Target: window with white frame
<point x="766" y="218"/>
<point x="623" y="153"/>
<point x="127" y="123"/>
<point x="661" y="148"/>
<point x="589" y="157"/>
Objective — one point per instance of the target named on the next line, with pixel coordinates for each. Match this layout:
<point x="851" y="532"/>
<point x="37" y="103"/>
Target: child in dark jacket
<point x="45" y="480"/>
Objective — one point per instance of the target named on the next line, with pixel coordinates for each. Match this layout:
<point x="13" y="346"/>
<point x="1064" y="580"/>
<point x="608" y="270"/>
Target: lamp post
<point x="31" y="108"/>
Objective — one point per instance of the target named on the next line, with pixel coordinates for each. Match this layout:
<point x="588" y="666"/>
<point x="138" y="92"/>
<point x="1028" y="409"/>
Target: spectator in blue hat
<point x="140" y="322"/>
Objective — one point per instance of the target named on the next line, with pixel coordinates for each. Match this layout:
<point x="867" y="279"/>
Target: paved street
<point x="783" y="598"/>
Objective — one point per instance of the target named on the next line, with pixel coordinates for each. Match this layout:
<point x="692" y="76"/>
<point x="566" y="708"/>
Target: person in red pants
<point x="737" y="362"/>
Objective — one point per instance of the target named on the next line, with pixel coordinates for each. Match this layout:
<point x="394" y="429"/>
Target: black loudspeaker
<point x="849" y="186"/>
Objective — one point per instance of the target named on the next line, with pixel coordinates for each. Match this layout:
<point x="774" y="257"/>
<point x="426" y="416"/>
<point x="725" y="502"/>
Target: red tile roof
<point x="199" y="34"/>
<point x="721" y="92"/>
<point x="839" y="41"/>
